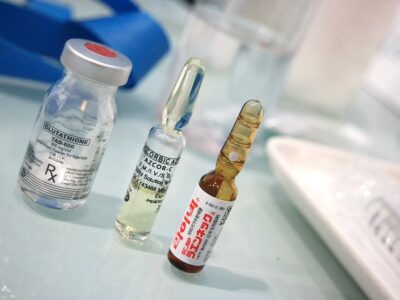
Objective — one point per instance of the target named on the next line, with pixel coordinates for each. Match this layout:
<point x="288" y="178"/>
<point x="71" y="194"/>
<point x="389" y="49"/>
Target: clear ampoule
<point x="160" y="156"/>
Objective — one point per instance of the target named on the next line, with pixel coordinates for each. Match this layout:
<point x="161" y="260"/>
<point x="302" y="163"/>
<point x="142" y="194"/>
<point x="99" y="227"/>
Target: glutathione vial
<point x="73" y="126"/>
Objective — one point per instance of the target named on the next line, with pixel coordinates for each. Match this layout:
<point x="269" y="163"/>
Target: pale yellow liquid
<point x="136" y="217"/>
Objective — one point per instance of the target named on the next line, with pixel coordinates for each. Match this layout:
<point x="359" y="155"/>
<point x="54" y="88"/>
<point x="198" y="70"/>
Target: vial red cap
<point x="100" y="50"/>
<point x="96" y="62"/>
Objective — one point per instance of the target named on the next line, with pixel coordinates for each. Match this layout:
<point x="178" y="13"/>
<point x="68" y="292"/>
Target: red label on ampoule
<point x="200" y="228"/>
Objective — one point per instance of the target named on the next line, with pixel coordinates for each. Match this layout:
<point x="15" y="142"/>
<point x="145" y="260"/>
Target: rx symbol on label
<point x="50" y="169"/>
<point x="127" y="196"/>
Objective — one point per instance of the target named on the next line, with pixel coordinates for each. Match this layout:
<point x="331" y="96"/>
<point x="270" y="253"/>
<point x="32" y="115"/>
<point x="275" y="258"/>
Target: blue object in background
<point x="31" y="34"/>
<point x="19" y="62"/>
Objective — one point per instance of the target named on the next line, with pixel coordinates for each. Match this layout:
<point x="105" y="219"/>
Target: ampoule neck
<point x="171" y="131"/>
<point x="226" y="168"/>
<point x="234" y="152"/>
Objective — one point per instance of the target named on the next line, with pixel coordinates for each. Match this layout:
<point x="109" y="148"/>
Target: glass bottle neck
<point x="77" y="81"/>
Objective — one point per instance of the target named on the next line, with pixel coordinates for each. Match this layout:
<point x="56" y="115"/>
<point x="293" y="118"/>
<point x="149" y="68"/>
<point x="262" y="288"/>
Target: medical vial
<point x="73" y="126"/>
<point x="214" y="196"/>
<point x="160" y="156"/>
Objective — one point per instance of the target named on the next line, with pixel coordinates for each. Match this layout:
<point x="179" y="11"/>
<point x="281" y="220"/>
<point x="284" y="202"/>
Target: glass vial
<point x="160" y="156"/>
<point x="73" y="126"/>
<point x="213" y="197"/>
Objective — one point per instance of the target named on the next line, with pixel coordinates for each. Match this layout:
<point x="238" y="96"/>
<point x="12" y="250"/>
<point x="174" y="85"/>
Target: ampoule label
<point x="153" y="172"/>
<point x="200" y="228"/>
<point x="147" y="189"/>
<point x="62" y="165"/>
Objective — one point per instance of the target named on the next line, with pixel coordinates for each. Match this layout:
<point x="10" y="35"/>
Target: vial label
<point x="200" y="228"/>
<point x="147" y="189"/>
<point x="60" y="164"/>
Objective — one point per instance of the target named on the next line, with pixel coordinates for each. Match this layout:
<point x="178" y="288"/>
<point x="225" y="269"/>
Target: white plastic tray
<point x="307" y="171"/>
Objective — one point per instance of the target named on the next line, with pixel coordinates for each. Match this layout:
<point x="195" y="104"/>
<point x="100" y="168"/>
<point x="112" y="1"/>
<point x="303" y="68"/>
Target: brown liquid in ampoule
<point x="220" y="183"/>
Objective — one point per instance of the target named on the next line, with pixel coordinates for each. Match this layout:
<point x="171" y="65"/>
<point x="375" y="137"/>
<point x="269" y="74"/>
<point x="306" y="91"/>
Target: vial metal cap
<point x="96" y="62"/>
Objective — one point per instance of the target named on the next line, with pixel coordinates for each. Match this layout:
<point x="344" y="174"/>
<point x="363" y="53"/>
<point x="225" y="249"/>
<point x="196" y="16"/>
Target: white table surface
<point x="266" y="250"/>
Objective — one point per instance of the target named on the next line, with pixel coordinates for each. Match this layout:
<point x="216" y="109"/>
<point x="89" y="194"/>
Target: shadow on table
<point x="155" y="244"/>
<point x="218" y="278"/>
<point x="99" y="211"/>
<point x="320" y="252"/>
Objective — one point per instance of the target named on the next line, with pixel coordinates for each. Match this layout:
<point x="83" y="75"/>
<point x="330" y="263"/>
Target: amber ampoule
<point x="213" y="198"/>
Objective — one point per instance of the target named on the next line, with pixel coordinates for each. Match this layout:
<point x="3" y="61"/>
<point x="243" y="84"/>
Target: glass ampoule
<point x="214" y="196"/>
<point x="160" y="156"/>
